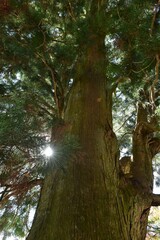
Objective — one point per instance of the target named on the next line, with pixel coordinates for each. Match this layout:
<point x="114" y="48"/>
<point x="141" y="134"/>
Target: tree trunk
<point x="90" y="200"/>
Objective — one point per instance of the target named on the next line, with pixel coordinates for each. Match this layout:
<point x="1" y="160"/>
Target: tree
<point x="73" y="58"/>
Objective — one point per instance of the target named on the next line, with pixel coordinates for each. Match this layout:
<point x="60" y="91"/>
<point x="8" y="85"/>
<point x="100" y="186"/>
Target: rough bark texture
<point x="91" y="200"/>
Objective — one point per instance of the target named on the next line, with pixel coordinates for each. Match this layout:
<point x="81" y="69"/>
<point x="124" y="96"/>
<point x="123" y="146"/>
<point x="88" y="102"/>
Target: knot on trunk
<point x="125" y="165"/>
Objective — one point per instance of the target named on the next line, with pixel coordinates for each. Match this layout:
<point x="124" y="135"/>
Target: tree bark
<point x="156" y="200"/>
<point x="90" y="200"/>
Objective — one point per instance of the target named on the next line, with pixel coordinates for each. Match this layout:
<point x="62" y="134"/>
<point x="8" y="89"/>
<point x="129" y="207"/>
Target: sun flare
<point x="48" y="151"/>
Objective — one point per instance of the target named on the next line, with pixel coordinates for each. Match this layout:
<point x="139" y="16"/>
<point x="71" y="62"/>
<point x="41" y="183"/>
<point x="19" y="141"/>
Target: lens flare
<point x="48" y="151"/>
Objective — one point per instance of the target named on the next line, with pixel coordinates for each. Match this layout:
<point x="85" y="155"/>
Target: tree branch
<point x="18" y="189"/>
<point x="53" y="79"/>
<point x="155" y="200"/>
<point x="127" y="119"/>
<point x="156" y="8"/>
<point x="145" y="128"/>
<point x="70" y="11"/>
<point x="154" y="146"/>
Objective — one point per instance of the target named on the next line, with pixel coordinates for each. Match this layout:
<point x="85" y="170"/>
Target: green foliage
<point x="153" y="224"/>
<point x="14" y="219"/>
<point x="124" y="119"/>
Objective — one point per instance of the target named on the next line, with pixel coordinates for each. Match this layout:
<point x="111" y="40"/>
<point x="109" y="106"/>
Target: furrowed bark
<point x="142" y="157"/>
<point x="156" y="200"/>
<point x="91" y="200"/>
<point x="77" y="208"/>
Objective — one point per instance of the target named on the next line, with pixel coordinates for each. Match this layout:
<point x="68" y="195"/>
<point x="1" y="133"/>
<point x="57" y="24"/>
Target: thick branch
<point x="145" y="128"/>
<point x="54" y="80"/>
<point x="156" y="200"/>
<point x="142" y="155"/>
<point x="156" y="10"/>
<point x="141" y="113"/>
<point x="154" y="146"/>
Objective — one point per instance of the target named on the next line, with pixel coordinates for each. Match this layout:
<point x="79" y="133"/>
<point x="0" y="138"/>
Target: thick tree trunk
<point x="90" y="201"/>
